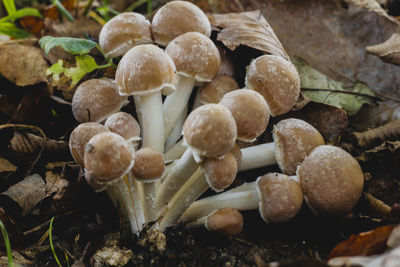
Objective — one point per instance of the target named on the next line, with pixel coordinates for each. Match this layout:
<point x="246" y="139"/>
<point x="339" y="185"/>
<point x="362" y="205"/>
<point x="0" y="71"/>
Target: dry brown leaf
<point x="248" y="29"/>
<point x="22" y="65"/>
<point x="27" y="193"/>
<point x="79" y="28"/>
<point x="389" y="51"/>
<point x="371" y="5"/>
<point x="6" y="166"/>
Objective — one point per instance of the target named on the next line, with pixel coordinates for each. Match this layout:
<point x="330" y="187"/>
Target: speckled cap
<point x="96" y="99"/>
<point x="220" y="173"/>
<point x="123" y="32"/>
<point x="280" y="197"/>
<point x="80" y="136"/>
<point x="125" y="125"/>
<point x="250" y="110"/>
<point x="213" y="91"/>
<point x="148" y="165"/>
<point x="332" y="180"/>
<point x="108" y="157"/>
<point x="226" y="221"/>
<point x="277" y="80"/>
<point x="210" y="131"/>
<point x="294" y="139"/>
<point x="176" y="18"/>
<point x="237" y="153"/>
<point x="195" y="55"/>
<point x="146" y="69"/>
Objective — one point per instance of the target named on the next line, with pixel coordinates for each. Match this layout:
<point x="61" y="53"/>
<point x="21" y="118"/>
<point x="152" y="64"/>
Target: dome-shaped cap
<point x="277" y="80"/>
<point x="95" y="185"/>
<point x="280" y="197"/>
<point x="145" y="69"/>
<point x="332" y="180"/>
<point x="195" y="55"/>
<point x="176" y="18"/>
<point x="125" y="125"/>
<point x="108" y="157"/>
<point x="294" y="139"/>
<point x="80" y="136"/>
<point x="250" y="110"/>
<point x="226" y="221"/>
<point x="213" y="91"/>
<point x="123" y="32"/>
<point x="210" y="130"/>
<point x="96" y="99"/>
<point x="220" y="173"/>
<point x="148" y="165"/>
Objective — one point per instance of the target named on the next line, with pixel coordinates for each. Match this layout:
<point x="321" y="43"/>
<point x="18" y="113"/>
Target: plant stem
<point x="341" y="92"/>
<point x="51" y="242"/>
<point x="7" y="244"/>
<point x="136" y="5"/>
<point x="62" y="10"/>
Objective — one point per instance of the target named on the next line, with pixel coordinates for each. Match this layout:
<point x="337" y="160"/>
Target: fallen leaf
<point x="389" y="51"/>
<point x="75" y="46"/>
<point x="373" y="6"/>
<point x="81" y="27"/>
<point x="6" y="166"/>
<point x="27" y="193"/>
<point x="249" y="29"/>
<point x="22" y="65"/>
<point x="394" y="238"/>
<point x="366" y="243"/>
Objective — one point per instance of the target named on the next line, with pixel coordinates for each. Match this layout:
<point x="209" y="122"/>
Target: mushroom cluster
<point x="155" y="167"/>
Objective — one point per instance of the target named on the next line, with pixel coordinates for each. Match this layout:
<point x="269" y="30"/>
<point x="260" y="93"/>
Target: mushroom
<point x="96" y="99"/>
<point x="196" y="59"/>
<point x="277" y="80"/>
<point x="294" y="139"/>
<point x="123" y="32"/>
<point x="228" y="222"/>
<point x="176" y="133"/>
<point x="332" y="180"/>
<point x="277" y="197"/>
<point x="176" y="18"/>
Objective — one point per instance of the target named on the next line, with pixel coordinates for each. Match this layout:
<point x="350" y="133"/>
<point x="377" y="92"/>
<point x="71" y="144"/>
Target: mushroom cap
<point x="250" y="110"/>
<point x="123" y="32"/>
<point x="280" y="197"/>
<point x="277" y="80"/>
<point x="226" y="221"/>
<point x="210" y="131"/>
<point x="148" y="165"/>
<point x="195" y="55"/>
<point x="146" y="69"/>
<point x="237" y="153"/>
<point x="96" y="99"/>
<point x="80" y="136"/>
<point x="332" y="180"/>
<point x="125" y="125"/>
<point x="213" y="91"/>
<point x="95" y="185"/>
<point x="108" y="157"/>
<point x="176" y="18"/>
<point x="220" y="173"/>
<point x="294" y="139"/>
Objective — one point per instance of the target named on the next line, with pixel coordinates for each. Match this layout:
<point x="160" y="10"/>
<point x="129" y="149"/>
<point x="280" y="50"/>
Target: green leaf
<point x="10" y="6"/>
<point x="22" y="13"/>
<point x="10" y="29"/>
<point x="75" y="46"/>
<point x="321" y="88"/>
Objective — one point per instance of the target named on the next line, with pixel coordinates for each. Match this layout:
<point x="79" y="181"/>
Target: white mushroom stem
<point x="179" y="174"/>
<point x="257" y="156"/>
<point x="136" y="193"/>
<point x="153" y="137"/>
<point x="175" y="152"/>
<point x="176" y="133"/>
<point x="247" y="200"/>
<point x="196" y="102"/>
<point x="175" y="103"/>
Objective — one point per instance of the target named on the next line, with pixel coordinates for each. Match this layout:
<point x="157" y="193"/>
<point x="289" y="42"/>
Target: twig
<point x="388" y="132"/>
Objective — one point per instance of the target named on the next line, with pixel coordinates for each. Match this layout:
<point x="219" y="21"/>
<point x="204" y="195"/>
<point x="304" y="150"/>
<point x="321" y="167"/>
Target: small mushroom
<point x="213" y="91"/>
<point x="125" y="125"/>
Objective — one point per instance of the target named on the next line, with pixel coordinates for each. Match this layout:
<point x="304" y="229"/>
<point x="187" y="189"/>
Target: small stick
<point x="388" y="132"/>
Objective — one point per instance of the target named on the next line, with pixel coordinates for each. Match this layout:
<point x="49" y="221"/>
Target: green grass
<point x="7" y="244"/>
<point x="51" y="242"/>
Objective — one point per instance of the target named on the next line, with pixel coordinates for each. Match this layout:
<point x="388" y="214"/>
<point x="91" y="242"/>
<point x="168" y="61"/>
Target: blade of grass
<point x="136" y="5"/>
<point x="51" y="242"/>
<point x="7" y="244"/>
<point x="62" y="10"/>
<point x="10" y="6"/>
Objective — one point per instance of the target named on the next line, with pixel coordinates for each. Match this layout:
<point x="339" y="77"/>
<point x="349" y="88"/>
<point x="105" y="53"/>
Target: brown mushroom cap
<point x="148" y="165"/>
<point x="220" y="173"/>
<point x="125" y="125"/>
<point x="80" y="136"/>
<point x="210" y="130"/>
<point x="176" y="18"/>
<point x="146" y="69"/>
<point x="96" y="99"/>
<point x="108" y="157"/>
<point x="277" y="80"/>
<point x="250" y="111"/>
<point x="294" y="139"/>
<point x="95" y="185"/>
<point x="194" y="55"/>
<point x="237" y="153"/>
<point x="123" y="32"/>
<point x="332" y="180"/>
<point x="280" y="196"/>
<point x="226" y="221"/>
<point x="214" y="91"/>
